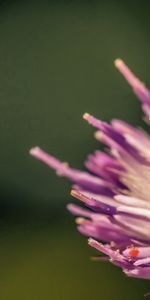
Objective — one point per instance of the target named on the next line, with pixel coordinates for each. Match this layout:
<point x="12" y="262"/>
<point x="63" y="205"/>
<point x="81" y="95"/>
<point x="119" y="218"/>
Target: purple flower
<point x="116" y="189"/>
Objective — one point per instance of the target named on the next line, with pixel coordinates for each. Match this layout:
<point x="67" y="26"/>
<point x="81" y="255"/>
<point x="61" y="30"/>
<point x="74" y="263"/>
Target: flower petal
<point x="138" y="87"/>
<point x="83" y="179"/>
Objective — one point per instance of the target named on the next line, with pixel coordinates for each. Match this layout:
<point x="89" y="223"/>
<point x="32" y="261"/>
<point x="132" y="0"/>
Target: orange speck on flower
<point x="133" y="252"/>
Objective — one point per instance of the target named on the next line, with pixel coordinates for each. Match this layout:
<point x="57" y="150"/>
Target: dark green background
<point x="56" y="62"/>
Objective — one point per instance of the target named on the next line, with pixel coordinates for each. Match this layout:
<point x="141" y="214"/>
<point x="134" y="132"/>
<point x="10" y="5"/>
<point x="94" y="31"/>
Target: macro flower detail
<point x="115" y="190"/>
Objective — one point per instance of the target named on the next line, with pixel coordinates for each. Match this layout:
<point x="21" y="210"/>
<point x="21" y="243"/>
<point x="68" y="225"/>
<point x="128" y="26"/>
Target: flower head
<point x="115" y="190"/>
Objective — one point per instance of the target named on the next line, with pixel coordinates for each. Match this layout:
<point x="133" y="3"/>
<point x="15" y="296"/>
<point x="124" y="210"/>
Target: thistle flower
<point x="115" y="190"/>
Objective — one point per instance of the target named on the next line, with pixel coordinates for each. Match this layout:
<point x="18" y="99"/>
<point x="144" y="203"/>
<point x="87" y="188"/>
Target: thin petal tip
<point x="70" y="206"/>
<point x="74" y="193"/>
<point x="91" y="242"/>
<point x="80" y="221"/>
<point x="92" y="120"/>
<point x="118" y="63"/>
<point x="86" y="116"/>
<point x="34" y="151"/>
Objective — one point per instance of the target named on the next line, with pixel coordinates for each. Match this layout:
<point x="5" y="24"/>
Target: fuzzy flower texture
<point x="115" y="191"/>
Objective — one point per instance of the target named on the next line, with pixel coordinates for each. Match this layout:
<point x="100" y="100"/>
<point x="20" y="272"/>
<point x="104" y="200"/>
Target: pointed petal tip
<point x="34" y="151"/>
<point x="71" y="207"/>
<point x="86" y="116"/>
<point x="80" y="221"/>
<point x="68" y="206"/>
<point x="78" y="195"/>
<point x="92" y="120"/>
<point x="118" y="62"/>
<point x="95" y="244"/>
<point x="97" y="135"/>
<point x="73" y="193"/>
<point x="90" y="241"/>
<point x="128" y="75"/>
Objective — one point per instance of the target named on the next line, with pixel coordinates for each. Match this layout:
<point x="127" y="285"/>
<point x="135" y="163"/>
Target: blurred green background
<point x="56" y="62"/>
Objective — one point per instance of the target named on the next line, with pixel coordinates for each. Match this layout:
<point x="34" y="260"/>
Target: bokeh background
<point x="56" y="62"/>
